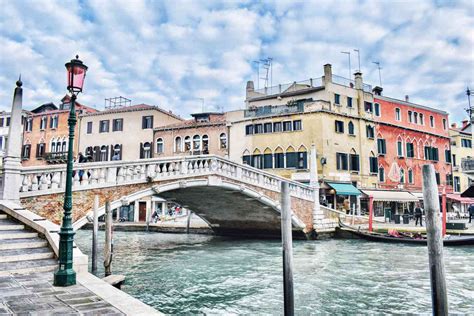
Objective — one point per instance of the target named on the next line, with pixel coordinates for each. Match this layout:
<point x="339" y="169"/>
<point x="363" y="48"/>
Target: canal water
<point x="199" y="274"/>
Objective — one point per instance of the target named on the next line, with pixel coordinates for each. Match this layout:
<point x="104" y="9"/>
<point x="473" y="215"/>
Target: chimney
<point x="377" y="90"/>
<point x="407" y="98"/>
<point x="464" y="123"/>
<point x="454" y="125"/>
<point x="327" y="73"/>
<point x="358" y="80"/>
<point x="249" y="88"/>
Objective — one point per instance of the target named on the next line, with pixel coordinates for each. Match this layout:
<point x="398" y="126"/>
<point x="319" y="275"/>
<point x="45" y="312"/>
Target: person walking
<point x="471" y="212"/>
<point x="418" y="215"/>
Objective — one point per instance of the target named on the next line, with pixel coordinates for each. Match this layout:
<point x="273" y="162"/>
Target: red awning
<point x="458" y="198"/>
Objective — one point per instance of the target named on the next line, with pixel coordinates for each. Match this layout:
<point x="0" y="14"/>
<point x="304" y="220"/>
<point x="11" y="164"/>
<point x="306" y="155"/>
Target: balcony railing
<point x="269" y="110"/>
<point x="56" y="157"/>
<point x="350" y="83"/>
<point x="291" y="87"/>
<point x="467" y="165"/>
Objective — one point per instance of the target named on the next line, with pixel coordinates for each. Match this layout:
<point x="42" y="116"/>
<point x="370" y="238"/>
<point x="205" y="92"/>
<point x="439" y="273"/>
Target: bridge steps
<point x="22" y="251"/>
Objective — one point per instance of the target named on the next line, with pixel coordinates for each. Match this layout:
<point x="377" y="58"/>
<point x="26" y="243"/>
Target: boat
<point x="449" y="240"/>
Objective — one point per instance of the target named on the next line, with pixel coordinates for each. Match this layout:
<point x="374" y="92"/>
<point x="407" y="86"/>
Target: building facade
<point x="409" y="136"/>
<point x="461" y="148"/>
<point x="205" y="134"/>
<point x="4" y="127"/>
<point x="45" y="133"/>
<point x="123" y="133"/>
<point x="335" y="114"/>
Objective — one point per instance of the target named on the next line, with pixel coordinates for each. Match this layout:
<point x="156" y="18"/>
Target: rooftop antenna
<point x="469" y="110"/>
<point x="350" y="68"/>
<point x="258" y="73"/>
<point x="380" y="74"/>
<point x="267" y="66"/>
<point x="202" y="104"/>
<point x="358" y="56"/>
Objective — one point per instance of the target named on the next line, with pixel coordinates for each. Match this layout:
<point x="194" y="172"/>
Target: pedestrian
<point x="418" y="215"/>
<point x="471" y="212"/>
<point x="81" y="159"/>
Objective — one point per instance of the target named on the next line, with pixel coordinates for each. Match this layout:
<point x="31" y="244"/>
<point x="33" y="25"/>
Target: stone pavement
<point x="34" y="294"/>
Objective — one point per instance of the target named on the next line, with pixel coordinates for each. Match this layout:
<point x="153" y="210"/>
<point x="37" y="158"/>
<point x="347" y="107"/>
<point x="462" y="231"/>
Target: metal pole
<point x="188" y="222"/>
<point x="94" y="234"/>
<point x="358" y="57"/>
<point x="65" y="275"/>
<point x="287" y="240"/>
<point x="435" y="242"/>
<point x="108" y="240"/>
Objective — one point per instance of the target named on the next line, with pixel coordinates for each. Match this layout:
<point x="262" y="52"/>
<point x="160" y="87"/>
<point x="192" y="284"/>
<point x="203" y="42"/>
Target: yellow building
<point x="281" y="123"/>
<point x="461" y="148"/>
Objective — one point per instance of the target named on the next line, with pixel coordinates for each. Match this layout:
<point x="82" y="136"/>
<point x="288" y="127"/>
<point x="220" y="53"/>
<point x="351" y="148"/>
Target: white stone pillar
<point x="11" y="178"/>
<point x="135" y="211"/>
<point x="318" y="214"/>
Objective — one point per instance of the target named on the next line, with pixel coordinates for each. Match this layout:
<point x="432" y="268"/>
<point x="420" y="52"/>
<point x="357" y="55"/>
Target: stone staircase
<point x="22" y="251"/>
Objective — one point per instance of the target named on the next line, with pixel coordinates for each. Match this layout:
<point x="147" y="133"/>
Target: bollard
<point x="287" y="241"/>
<point x="435" y="242"/>
<point x="95" y="229"/>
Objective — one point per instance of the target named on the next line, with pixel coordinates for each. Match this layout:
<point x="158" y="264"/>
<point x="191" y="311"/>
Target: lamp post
<point x="65" y="275"/>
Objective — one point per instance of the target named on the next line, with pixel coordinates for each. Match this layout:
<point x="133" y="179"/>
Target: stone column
<point x="11" y="178"/>
<point x="318" y="214"/>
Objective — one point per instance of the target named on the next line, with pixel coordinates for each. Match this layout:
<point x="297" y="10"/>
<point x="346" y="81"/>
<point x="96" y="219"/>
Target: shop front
<point x="340" y="196"/>
<point x="388" y="204"/>
<point x="457" y="206"/>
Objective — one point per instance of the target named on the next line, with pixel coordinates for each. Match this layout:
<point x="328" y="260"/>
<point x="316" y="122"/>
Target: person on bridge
<point x="418" y="215"/>
<point x="81" y="159"/>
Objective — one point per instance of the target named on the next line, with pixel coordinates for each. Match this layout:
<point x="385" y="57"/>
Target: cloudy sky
<point x="173" y="53"/>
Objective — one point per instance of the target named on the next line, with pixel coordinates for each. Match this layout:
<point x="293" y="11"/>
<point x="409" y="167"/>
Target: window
<point x="381" y="146"/>
<point x="196" y="142"/>
<point x="1" y="143"/>
<point x="457" y="184"/>
<point x="350" y="128"/>
<point x="104" y="126"/>
<point x="422" y="119"/>
<point x="117" y="125"/>
<point x="431" y="153"/>
<point x="381" y="174"/>
<point x="26" y="151"/>
<point x="302" y="157"/>
<point x="377" y="109"/>
<point x="398" y="114"/>
<point x="43" y="123"/>
<point x="277" y="127"/>
<point x="466" y="143"/>
<point x="447" y="155"/>
<point x="267" y="127"/>
<point x="287" y="126"/>
<point x="415" y="117"/>
<point x="370" y="131"/>
<point x="454" y="160"/>
<point x="258" y="128"/>
<point x="145" y="150"/>
<point x="410" y="150"/>
<point x="279" y="160"/>
<point x="257" y="160"/>
<point x="337" y="99"/>
<point x="368" y="107"/>
<point x="432" y="123"/>
<point x="159" y="145"/>
<point x="103" y="153"/>
<point x="8" y="121"/>
<point x="444" y="124"/>
<point x="402" y="175"/>
<point x="354" y="162"/>
<point x="187" y="144"/>
<point x="449" y="179"/>
<point x="249" y="130"/>
<point x="339" y="127"/>
<point x="63" y="146"/>
<point x="399" y="148"/>
<point x="349" y="102"/>
<point x="341" y="161"/>
<point x="410" y="176"/>
<point x="53" y="123"/>
<point x="410" y="116"/>
<point x="116" y="152"/>
<point x="205" y="144"/>
<point x="40" y="149"/>
<point x="223" y="140"/>
<point x="89" y="127"/>
<point x="147" y="121"/>
<point x="1" y="121"/>
<point x="247" y="160"/>
<point x="373" y="164"/>
<point x="291" y="158"/>
<point x="28" y="124"/>
<point x="297" y="125"/>
<point x="438" y="179"/>
<point x="177" y="145"/>
<point x="267" y="159"/>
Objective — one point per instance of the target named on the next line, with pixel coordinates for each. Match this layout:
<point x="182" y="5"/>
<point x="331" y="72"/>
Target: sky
<point x="186" y="56"/>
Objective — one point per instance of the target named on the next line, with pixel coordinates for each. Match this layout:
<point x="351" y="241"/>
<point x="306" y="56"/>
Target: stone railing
<point x="42" y="180"/>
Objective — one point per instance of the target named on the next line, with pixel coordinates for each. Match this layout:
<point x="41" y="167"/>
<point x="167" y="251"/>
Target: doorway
<point x="142" y="211"/>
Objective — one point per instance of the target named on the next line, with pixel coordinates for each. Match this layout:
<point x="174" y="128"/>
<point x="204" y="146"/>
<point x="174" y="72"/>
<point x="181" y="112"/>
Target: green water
<point x="197" y="274"/>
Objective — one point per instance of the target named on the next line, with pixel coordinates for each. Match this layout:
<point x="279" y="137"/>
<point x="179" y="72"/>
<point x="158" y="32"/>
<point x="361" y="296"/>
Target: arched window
<point x="58" y="146"/>
<point x="103" y="153"/>
<point x="267" y="159"/>
<point x="354" y="161"/>
<point x="43" y="123"/>
<point x="291" y="158"/>
<point x="257" y="159"/>
<point x="246" y="158"/>
<point x="399" y="147"/>
<point x="177" y="144"/>
<point x="89" y="153"/>
<point x="159" y="145"/>
<point x="187" y="143"/>
<point x="402" y="175"/>
<point x="381" y="174"/>
<point x="350" y="128"/>
<point x="147" y="150"/>
<point x="64" y="146"/>
<point x="279" y="158"/>
<point x="117" y="154"/>
<point x="205" y="144"/>
<point x="53" y="145"/>
<point x="197" y="142"/>
<point x="302" y="158"/>
<point x="410" y="176"/>
<point x="223" y="141"/>
<point x="373" y="163"/>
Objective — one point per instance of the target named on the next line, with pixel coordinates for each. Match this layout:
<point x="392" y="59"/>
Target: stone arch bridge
<point x="234" y="199"/>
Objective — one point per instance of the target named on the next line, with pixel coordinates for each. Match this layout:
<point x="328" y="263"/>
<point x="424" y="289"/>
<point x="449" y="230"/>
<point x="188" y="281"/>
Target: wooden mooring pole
<point x="95" y="230"/>
<point x="108" y="240"/>
<point x="439" y="296"/>
<point x="287" y="241"/>
<point x="188" y="221"/>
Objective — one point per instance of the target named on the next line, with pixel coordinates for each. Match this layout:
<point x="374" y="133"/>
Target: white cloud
<point x="170" y="53"/>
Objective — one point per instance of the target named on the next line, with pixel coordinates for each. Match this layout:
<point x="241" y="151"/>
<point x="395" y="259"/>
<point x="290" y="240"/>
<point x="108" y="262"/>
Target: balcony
<point x="270" y="110"/>
<point x="467" y="165"/>
<point x="56" y="157"/>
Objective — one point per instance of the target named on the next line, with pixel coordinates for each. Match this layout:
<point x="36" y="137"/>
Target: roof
<point x="133" y="108"/>
<point x="460" y="199"/>
<point x="389" y="99"/>
<point x="344" y="188"/>
<point x="189" y="124"/>
<point x="469" y="193"/>
<point x="391" y="196"/>
<point x="46" y="107"/>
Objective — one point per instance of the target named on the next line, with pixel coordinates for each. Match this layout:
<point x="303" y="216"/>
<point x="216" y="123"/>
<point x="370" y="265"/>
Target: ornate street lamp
<point x="65" y="275"/>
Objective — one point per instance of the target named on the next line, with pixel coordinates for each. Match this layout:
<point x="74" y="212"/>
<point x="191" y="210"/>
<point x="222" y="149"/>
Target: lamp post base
<point x="65" y="277"/>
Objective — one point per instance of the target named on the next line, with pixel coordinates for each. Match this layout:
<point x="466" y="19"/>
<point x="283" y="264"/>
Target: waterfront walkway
<point x="412" y="228"/>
